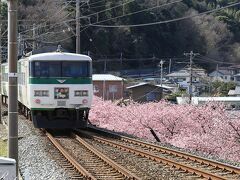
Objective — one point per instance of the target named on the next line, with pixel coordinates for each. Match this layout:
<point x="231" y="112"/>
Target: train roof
<point x="59" y="56"/>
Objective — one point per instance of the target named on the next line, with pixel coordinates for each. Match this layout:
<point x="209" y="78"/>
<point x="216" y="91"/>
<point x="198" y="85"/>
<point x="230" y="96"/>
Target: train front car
<point x="60" y="90"/>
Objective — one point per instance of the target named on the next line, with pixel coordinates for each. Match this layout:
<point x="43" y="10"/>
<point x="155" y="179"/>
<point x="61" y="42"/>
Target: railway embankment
<point x="35" y="153"/>
<point x="37" y="157"/>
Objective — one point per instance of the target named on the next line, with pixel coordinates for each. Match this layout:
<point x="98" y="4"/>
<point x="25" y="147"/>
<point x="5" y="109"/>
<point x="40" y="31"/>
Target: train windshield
<point x="60" y="69"/>
<point x="75" y="69"/>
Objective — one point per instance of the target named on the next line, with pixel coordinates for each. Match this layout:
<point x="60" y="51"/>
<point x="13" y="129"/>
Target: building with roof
<point x="237" y="79"/>
<point x="108" y="86"/>
<point x="145" y="92"/>
<point x="222" y="75"/>
<point x="231" y="102"/>
<point x="235" y="92"/>
<point x="183" y="76"/>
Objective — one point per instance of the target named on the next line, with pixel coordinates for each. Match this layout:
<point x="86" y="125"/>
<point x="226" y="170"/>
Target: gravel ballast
<point x="37" y="161"/>
<point x="197" y="153"/>
<point x="35" y="154"/>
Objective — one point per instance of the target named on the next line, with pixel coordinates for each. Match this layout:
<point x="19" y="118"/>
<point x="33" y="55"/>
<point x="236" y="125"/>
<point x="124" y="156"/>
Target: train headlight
<point x="40" y="93"/>
<point x="37" y="101"/>
<point x="81" y="93"/>
<point x="84" y="101"/>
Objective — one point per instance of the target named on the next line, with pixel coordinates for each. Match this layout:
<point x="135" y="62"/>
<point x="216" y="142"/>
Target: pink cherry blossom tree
<point x="208" y="128"/>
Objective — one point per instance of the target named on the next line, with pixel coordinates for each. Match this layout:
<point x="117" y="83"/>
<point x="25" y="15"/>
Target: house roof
<point x="196" y="100"/>
<point x="237" y="74"/>
<point x="221" y="72"/>
<point x="178" y="74"/>
<point x="234" y="66"/>
<point x="231" y="92"/>
<point x="224" y="99"/>
<point x="149" y="79"/>
<point x="215" y="73"/>
<point x="106" y="77"/>
<point x="145" y="83"/>
<point x="235" y="92"/>
<point x="182" y="73"/>
<point x="165" y="87"/>
<point x="137" y="85"/>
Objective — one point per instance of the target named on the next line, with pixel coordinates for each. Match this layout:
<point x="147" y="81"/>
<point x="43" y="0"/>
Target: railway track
<point x="85" y="162"/>
<point x="198" y="167"/>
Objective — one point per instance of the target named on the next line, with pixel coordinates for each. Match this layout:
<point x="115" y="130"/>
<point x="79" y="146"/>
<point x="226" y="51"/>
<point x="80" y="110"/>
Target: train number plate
<point x="61" y="93"/>
<point x="61" y="103"/>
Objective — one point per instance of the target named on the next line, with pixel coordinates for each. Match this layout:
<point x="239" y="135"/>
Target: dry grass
<point x="3" y="148"/>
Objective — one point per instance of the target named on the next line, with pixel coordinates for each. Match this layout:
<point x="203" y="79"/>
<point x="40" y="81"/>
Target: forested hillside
<point x="214" y="35"/>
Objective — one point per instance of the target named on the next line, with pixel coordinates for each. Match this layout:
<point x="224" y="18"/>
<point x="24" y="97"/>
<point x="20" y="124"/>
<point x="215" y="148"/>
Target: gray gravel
<point x="35" y="154"/>
<point x="143" y="167"/>
<point x="197" y="153"/>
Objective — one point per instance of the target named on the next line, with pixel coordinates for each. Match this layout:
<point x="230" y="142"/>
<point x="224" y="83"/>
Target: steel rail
<point x="216" y="164"/>
<point x="76" y="165"/>
<point x="163" y="160"/>
<point x="213" y="163"/>
<point x="110" y="162"/>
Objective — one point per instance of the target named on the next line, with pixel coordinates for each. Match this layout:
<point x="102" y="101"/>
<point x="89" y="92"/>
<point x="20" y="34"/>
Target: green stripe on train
<point x="36" y="80"/>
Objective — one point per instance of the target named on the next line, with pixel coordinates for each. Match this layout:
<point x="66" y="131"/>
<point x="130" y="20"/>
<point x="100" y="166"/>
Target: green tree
<point x="222" y="88"/>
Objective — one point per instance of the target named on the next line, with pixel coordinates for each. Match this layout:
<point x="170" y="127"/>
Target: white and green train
<point x="54" y="89"/>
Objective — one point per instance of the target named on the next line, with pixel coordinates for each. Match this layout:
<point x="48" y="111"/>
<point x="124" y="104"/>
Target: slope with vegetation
<point x="215" y="35"/>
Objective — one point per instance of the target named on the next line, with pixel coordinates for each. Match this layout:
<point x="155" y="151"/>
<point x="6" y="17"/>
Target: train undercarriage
<point x="58" y="118"/>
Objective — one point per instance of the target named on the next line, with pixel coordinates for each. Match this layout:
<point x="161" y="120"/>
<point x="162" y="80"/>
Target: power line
<point x="93" y="44"/>
<point x="215" y="61"/>
<point x="53" y="42"/>
<point x="62" y="8"/>
<point x="167" y="21"/>
<point x="111" y="8"/>
<point x="136" y="12"/>
<point x="80" y="17"/>
<point x="96" y="2"/>
<point x="46" y="20"/>
<point x="70" y="20"/>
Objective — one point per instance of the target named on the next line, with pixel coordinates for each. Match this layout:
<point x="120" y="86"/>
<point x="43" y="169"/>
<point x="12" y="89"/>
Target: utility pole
<point x="12" y="82"/>
<point x="121" y="59"/>
<point x="105" y="66"/>
<point x="123" y="10"/>
<point x="34" y="37"/>
<point x="20" y="49"/>
<point x="191" y="55"/>
<point x="161" y="65"/>
<point x="170" y="64"/>
<point x="78" y="47"/>
<point x="0" y="61"/>
<point x="153" y="59"/>
<point x="97" y="17"/>
<point x="161" y="80"/>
